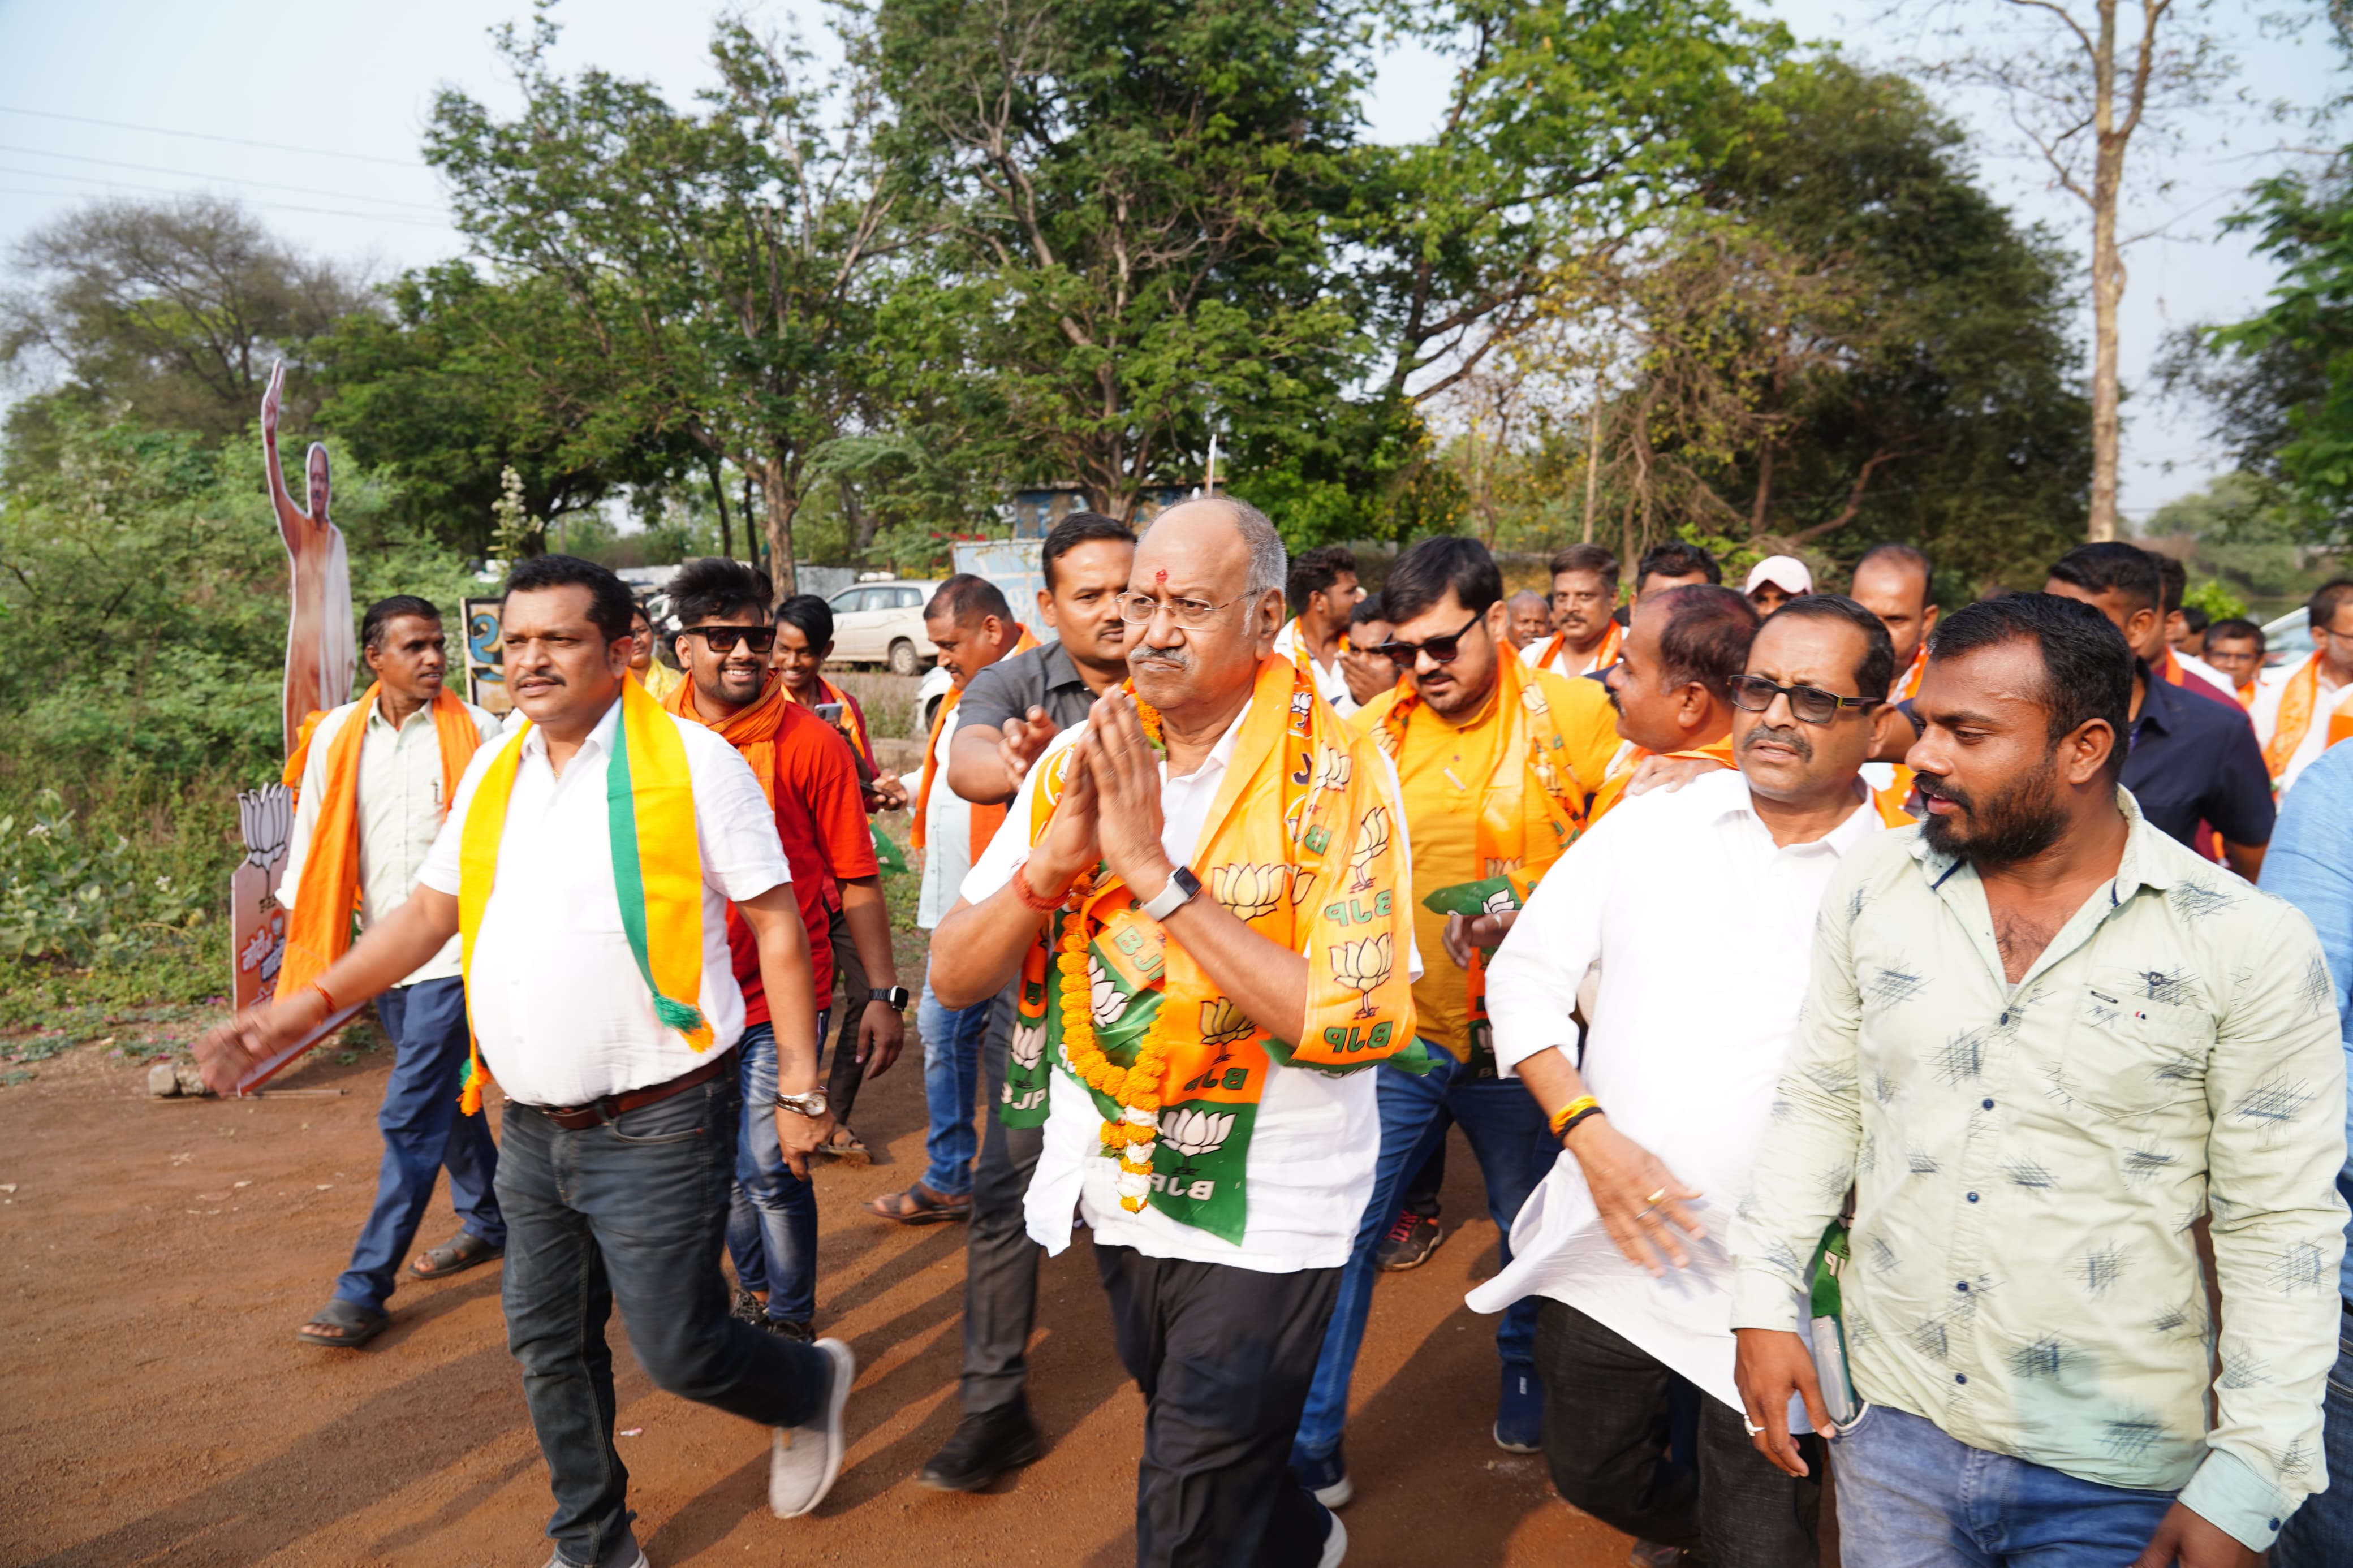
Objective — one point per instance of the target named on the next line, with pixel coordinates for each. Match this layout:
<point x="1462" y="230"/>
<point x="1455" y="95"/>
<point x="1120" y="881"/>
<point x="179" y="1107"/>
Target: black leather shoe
<point x="982" y="1448"/>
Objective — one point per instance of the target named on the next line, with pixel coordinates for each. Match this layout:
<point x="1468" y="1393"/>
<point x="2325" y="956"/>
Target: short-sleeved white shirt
<point x="1315" y="1143"/>
<point x="558" y="1002"/>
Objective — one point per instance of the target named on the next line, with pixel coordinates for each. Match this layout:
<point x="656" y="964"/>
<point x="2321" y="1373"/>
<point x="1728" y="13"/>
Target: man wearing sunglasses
<point x="1698" y="906"/>
<point x="1495" y="760"/>
<point x="811" y="783"/>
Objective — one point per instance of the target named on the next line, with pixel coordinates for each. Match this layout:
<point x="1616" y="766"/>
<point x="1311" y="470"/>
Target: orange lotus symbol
<point x="1332" y="767"/>
<point x="1251" y="891"/>
<point x="1222" y="1022"/>
<point x="1364" y="966"/>
<point x="1372" y="840"/>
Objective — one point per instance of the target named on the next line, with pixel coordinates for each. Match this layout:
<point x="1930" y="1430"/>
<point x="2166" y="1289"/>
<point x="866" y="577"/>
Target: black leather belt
<point x="575" y="1118"/>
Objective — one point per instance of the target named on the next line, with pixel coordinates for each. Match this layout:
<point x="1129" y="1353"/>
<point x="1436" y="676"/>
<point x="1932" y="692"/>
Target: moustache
<point x="1790" y="737"/>
<point x="1175" y="656"/>
<point x="1932" y="786"/>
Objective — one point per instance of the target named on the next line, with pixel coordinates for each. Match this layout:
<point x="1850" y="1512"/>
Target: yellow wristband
<point x="1571" y="1112"/>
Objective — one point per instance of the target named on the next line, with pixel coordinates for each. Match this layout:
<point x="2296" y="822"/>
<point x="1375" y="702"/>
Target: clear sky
<point x="314" y="116"/>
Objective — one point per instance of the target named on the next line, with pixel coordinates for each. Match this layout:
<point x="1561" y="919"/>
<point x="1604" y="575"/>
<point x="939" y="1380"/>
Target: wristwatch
<point x="811" y="1105"/>
<point x="1182" y="885"/>
<point x="896" y="998"/>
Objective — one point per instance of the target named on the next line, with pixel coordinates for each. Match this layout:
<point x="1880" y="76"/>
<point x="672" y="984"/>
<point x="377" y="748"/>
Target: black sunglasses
<point x="1442" y="650"/>
<point x="1810" y="703"/>
<point x="722" y="639"/>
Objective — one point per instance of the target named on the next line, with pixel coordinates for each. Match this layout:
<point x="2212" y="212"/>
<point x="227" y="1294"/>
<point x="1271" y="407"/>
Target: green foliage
<point x="2219" y="603"/>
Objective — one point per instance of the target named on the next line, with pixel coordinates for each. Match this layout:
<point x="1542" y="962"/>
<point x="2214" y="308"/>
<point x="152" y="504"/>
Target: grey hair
<point x="1270" y="563"/>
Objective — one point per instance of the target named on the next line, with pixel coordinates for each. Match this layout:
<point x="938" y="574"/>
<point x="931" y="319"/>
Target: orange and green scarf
<point x="1299" y="844"/>
<point x="1613" y="636"/>
<point x="321" y="930"/>
<point x="1530" y="813"/>
<point x="657" y="865"/>
<point x="986" y="819"/>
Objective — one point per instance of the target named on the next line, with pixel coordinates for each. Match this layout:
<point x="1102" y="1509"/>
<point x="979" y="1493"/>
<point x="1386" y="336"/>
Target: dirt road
<point x="155" y="1407"/>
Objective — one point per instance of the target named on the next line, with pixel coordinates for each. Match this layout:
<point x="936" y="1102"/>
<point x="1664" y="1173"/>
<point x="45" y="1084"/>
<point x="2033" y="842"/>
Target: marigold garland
<point x="1133" y="1135"/>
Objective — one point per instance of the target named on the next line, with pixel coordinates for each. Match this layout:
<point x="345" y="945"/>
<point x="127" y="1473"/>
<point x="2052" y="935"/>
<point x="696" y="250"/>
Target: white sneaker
<point x="1335" y="1545"/>
<point x="806" y="1460"/>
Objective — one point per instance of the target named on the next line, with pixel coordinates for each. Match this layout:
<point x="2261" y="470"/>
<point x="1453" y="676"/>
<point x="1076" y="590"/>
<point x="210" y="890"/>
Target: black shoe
<point x="1408" y="1243"/>
<point x="799" y="1329"/>
<point x="749" y="1309"/>
<point x="983" y="1447"/>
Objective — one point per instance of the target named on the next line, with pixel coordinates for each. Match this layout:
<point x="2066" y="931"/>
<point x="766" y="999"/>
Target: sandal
<point x="920" y="1205"/>
<point x="847" y="1145"/>
<point x="454" y="1257"/>
<point x="349" y="1325"/>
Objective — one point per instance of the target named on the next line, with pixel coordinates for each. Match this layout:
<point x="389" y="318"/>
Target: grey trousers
<point x="1000" y="1278"/>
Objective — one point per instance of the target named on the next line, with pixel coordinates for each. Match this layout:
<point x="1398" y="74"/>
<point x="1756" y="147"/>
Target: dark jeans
<point x="1000" y="1270"/>
<point x="1224" y="1356"/>
<point x="632" y="1212"/>
<point x="849" y="973"/>
<point x="2320" y="1533"/>
<point x="1605" y="1441"/>
<point x="1515" y="1150"/>
<point x="772" y="1218"/>
<point x="423" y="1132"/>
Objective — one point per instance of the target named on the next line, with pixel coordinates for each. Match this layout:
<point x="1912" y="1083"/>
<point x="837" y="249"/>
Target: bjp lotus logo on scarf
<point x="1503" y="867"/>
<point x="1028" y="1044"/>
<point x="1301" y="879"/>
<point x="1532" y="698"/>
<point x="1251" y="891"/>
<point x="1362" y="966"/>
<point x="1103" y="999"/>
<point x="1194" y="1133"/>
<point x="1372" y="840"/>
<point x="1332" y="767"/>
<point x="1222" y="1022"/>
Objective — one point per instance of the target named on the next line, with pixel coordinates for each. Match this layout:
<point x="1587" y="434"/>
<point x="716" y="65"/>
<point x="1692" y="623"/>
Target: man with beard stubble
<point x="2041" y="1041"/>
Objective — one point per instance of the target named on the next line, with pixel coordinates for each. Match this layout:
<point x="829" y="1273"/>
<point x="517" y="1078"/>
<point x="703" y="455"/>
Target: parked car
<point x="882" y="622"/>
<point x="2288" y="640"/>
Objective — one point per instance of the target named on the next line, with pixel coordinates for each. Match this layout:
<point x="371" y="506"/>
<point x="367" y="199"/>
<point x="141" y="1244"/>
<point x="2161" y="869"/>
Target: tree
<point x="171" y="310"/>
<point x="2079" y="92"/>
<point x="714" y="264"/>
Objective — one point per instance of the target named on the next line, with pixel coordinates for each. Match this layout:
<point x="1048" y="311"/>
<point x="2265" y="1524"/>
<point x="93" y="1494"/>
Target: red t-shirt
<point x="822" y="823"/>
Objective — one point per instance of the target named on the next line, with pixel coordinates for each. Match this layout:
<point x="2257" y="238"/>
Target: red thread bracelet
<point x="324" y="996"/>
<point x="1028" y="894"/>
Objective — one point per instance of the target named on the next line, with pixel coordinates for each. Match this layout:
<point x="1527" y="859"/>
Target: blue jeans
<point x="1515" y="1150"/>
<point x="2320" y="1533"/>
<point x="1910" y="1497"/>
<point x="630" y="1211"/>
<point x="952" y="1038"/>
<point x="772" y="1216"/>
<point x="423" y="1132"/>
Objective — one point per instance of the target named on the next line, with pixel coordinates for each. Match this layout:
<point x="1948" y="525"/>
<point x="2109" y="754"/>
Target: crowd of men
<point x="1873" y="1043"/>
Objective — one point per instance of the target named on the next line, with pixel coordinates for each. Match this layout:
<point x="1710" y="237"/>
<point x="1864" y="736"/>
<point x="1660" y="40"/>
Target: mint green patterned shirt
<point x="2029" y="1163"/>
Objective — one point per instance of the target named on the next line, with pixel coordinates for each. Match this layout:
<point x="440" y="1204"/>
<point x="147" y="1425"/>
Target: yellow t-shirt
<point x="1441" y="770"/>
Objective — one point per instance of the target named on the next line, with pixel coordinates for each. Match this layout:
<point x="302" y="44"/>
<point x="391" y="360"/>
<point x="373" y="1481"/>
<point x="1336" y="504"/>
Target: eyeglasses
<point x="1442" y="650"/>
<point x="722" y="639"/>
<point x="1811" y="704"/>
<point x="1137" y="610"/>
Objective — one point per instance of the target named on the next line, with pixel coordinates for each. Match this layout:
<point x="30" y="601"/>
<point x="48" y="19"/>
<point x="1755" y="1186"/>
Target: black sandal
<point x="455" y="1256"/>
<point x="354" y="1326"/>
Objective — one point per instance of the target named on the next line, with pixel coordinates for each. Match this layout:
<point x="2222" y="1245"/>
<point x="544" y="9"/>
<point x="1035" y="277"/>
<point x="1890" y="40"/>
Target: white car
<point x="882" y="622"/>
<point x="2288" y="640"/>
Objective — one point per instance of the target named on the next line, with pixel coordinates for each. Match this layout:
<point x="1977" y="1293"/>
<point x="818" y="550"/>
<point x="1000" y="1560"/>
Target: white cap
<point x="1786" y="573"/>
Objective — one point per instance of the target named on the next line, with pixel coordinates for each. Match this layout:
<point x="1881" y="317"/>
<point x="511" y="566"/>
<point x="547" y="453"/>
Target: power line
<point x="207" y="136"/>
<point x="112" y="186"/>
<point x="229" y="179"/>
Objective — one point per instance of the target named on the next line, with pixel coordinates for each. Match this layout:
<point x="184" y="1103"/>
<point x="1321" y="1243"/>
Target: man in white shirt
<point x="2300" y="710"/>
<point x="398" y="796"/>
<point x="577" y="895"/>
<point x="1220" y="1242"/>
<point x="972" y="627"/>
<point x="1662" y="1117"/>
<point x="1323" y="591"/>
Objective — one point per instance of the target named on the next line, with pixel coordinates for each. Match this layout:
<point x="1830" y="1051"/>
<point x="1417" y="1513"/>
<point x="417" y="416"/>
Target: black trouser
<point x="631" y="1212"/>
<point x="1001" y="1274"/>
<point x="1224" y="1356"/>
<point x="1605" y="1441"/>
<point x="849" y="973"/>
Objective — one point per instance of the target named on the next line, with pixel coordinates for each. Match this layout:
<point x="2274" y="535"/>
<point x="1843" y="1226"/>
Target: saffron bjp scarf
<point x="751" y="731"/>
<point x="1300" y="846"/>
<point x="1613" y="788"/>
<point x="986" y="819"/>
<point x="1529" y="813"/>
<point x="657" y="865"/>
<point x="2298" y="704"/>
<point x="853" y="718"/>
<point x="321" y="930"/>
<point x="1613" y="636"/>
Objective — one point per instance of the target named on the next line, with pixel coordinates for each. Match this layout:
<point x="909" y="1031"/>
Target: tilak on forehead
<point x="1161" y="576"/>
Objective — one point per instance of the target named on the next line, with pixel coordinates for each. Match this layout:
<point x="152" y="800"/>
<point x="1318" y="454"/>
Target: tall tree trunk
<point x="1593" y="462"/>
<point x="718" y="497"/>
<point x="2107" y="273"/>
<point x="1764" y="491"/>
<point x="778" y="504"/>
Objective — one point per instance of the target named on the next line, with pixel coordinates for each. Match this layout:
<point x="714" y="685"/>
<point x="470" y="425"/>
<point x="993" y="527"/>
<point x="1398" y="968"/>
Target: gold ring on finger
<point x="1653" y="1199"/>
